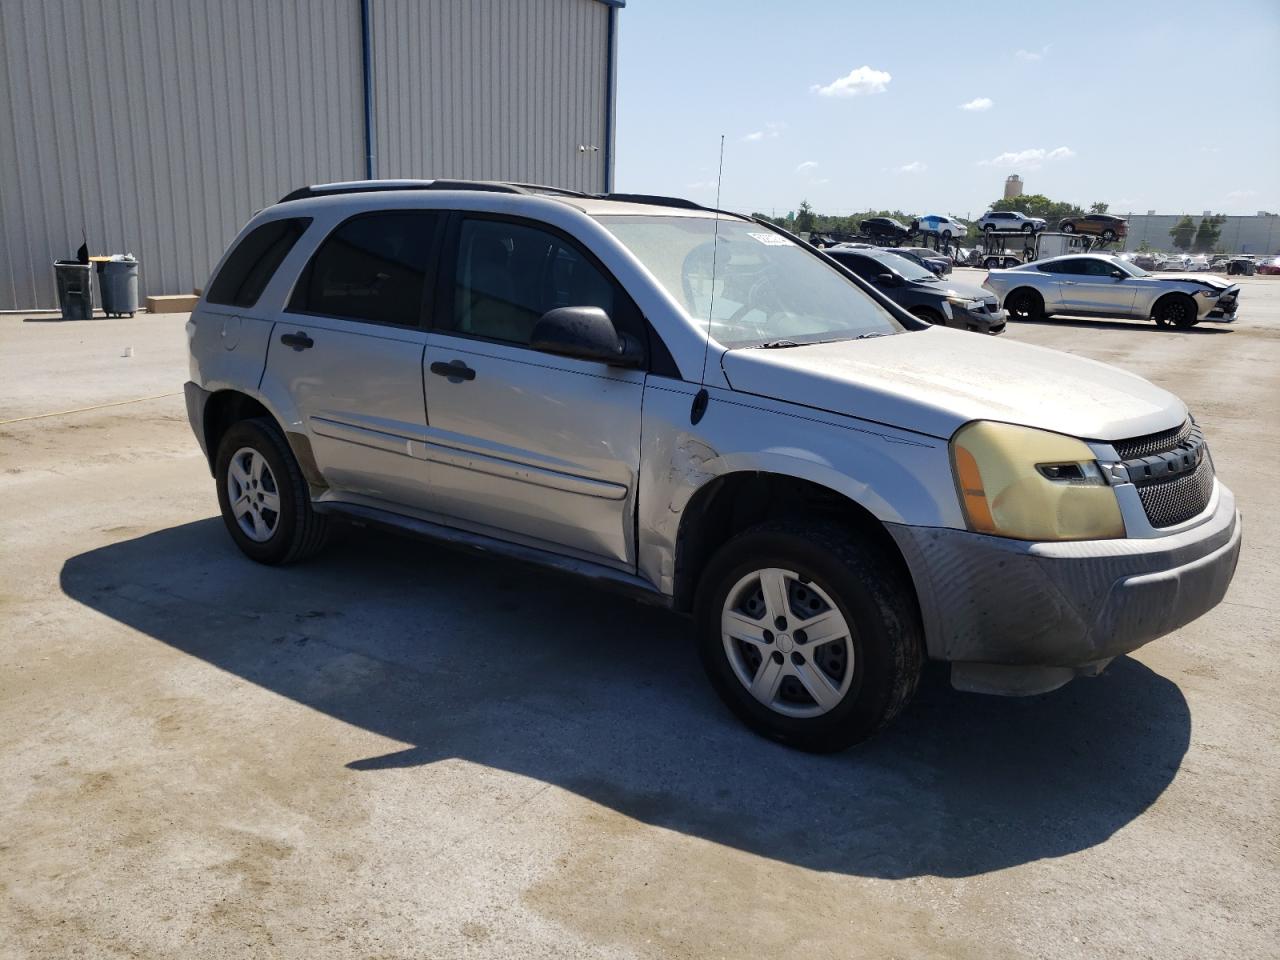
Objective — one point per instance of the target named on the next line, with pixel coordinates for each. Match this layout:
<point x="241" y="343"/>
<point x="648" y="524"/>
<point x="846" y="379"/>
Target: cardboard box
<point x="173" y="303"/>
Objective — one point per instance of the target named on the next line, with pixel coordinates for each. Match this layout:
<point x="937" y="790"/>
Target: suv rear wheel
<point x="809" y="636"/>
<point x="263" y="496"/>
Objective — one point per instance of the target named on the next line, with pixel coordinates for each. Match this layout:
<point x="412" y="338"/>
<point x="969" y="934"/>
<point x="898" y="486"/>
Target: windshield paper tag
<point x="771" y="239"/>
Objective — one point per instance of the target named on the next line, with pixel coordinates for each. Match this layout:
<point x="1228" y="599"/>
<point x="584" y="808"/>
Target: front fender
<point x="897" y="476"/>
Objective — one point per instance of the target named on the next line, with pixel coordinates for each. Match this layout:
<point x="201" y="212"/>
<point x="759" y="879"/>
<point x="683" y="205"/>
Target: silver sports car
<point x="1093" y="285"/>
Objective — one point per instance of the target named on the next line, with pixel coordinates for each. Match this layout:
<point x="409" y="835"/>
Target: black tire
<point x="929" y="316"/>
<point x="991" y="263"/>
<point x="1175" y="310"/>
<point x="1108" y="235"/>
<point x="1067" y="228"/>
<point x="987" y="228"/>
<point x="1028" y="228"/>
<point x="873" y="595"/>
<point x="299" y="531"/>
<point x="1025" y="304"/>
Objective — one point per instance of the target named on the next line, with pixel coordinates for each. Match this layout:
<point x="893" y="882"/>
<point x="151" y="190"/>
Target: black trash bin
<point x="75" y="289"/>
<point x="118" y="286"/>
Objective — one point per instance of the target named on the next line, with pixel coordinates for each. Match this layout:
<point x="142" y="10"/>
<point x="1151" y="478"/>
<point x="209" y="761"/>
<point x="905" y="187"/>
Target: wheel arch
<point x="227" y="407"/>
<point x="732" y="502"/>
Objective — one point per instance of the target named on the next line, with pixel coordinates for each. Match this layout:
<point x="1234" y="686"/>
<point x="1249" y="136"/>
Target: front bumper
<point x="1008" y="603"/>
<point x="981" y="320"/>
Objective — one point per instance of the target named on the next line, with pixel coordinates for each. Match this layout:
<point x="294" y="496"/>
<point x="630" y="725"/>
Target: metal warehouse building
<point x="158" y="127"/>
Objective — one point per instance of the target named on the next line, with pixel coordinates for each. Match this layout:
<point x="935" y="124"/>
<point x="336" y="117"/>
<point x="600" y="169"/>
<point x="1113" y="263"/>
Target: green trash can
<point x="75" y="289"/>
<point x="118" y="286"/>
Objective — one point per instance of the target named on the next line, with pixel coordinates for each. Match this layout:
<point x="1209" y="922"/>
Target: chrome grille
<point x="1172" y="501"/>
<point x="1154" y="443"/>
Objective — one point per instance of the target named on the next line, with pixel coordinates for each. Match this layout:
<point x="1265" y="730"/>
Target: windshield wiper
<point x="868" y="336"/>
<point x="778" y="344"/>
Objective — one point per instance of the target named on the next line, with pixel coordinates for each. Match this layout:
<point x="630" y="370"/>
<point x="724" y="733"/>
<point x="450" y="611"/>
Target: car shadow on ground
<point x="1093" y="323"/>
<point x="461" y="655"/>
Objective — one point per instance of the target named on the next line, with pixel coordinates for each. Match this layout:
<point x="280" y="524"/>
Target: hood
<point x="933" y="381"/>
<point x="951" y="288"/>
<point x="1215" y="283"/>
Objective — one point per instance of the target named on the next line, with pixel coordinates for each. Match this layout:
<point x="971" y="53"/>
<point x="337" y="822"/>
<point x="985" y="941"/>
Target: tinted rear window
<point x="372" y="268"/>
<point x="253" y="262"/>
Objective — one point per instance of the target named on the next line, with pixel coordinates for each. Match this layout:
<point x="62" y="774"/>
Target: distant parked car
<point x="944" y="227"/>
<point x="1232" y="266"/>
<point x="1009" y="220"/>
<point x="884" y="228"/>
<point x="1102" y="225"/>
<point x="1270" y="267"/>
<point x="1147" y="261"/>
<point x="937" y="262"/>
<point x="1176" y="261"/>
<point x="916" y="289"/>
<point x="1095" y="285"/>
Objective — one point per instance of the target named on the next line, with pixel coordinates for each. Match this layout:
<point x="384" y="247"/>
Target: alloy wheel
<point x="253" y="494"/>
<point x="787" y="642"/>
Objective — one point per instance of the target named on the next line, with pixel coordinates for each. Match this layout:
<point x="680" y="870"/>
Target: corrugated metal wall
<point x="491" y="90"/>
<point x="160" y="126"/>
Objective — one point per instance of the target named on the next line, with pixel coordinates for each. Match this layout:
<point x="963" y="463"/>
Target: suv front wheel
<point x="263" y="495"/>
<point x="810" y="636"/>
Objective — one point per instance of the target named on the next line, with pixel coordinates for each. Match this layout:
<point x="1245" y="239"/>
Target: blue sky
<point x="1171" y="106"/>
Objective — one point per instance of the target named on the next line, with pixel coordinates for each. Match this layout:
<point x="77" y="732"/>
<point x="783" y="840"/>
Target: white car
<point x="1176" y="261"/>
<point x="945" y="227"/>
<point x="1010" y="220"/>
<point x="1094" y="285"/>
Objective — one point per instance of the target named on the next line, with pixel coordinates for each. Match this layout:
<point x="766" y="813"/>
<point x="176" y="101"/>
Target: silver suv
<point x="695" y="407"/>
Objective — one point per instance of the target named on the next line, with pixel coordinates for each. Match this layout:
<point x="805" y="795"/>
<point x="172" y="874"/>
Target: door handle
<point x="1068" y="283"/>
<point x="455" y="370"/>
<point x="299" y="340"/>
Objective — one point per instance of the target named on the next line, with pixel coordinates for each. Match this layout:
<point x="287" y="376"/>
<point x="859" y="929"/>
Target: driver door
<point x="525" y="445"/>
<point x="1090" y="288"/>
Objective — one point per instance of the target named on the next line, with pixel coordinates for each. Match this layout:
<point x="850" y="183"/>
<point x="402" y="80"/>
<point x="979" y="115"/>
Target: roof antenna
<point x="701" y="397"/>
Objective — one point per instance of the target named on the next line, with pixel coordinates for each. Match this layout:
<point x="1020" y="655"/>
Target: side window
<point x="509" y="274"/>
<point x="372" y="268"/>
<point x="251" y="265"/>
<point x="864" y="267"/>
<point x="1096" y="268"/>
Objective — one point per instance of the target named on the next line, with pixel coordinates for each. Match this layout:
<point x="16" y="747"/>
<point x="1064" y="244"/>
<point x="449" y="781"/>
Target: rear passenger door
<point x="349" y="349"/>
<point x="533" y="447"/>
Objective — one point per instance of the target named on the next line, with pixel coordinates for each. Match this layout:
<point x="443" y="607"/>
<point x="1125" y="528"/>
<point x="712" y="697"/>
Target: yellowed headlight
<point x="1005" y="491"/>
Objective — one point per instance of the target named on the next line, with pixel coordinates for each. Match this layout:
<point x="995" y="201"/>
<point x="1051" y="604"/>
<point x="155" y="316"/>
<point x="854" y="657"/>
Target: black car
<point x="884" y="229"/>
<point x="916" y="289"/>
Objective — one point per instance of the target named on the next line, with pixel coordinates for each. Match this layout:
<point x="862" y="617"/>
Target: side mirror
<point x="585" y="333"/>
<point x="1118" y="274"/>
<point x="887" y="280"/>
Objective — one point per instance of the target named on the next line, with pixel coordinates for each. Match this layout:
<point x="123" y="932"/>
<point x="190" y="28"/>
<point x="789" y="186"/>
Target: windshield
<point x="767" y="289"/>
<point x="1129" y="267"/>
<point x="909" y="269"/>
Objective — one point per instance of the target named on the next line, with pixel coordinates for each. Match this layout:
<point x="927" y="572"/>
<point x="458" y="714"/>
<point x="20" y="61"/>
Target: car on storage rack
<point x="946" y="228"/>
<point x="884" y="230"/>
<point x="1104" y="225"/>
<point x="1096" y="285"/>
<point x="1009" y="220"/>
<point x="699" y="409"/>
<point x="917" y="289"/>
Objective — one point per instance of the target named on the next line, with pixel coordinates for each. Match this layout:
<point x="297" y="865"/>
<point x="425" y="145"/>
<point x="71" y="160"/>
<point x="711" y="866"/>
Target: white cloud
<point x="978" y="104"/>
<point x="770" y="131"/>
<point x="807" y="166"/>
<point x="1028" y="159"/>
<point x="1030" y="56"/>
<point x="915" y="166"/>
<point x="1241" y="194"/>
<point x="861" y="80"/>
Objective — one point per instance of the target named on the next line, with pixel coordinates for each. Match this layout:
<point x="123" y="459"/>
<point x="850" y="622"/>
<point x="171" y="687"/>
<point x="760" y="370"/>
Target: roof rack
<point x="652" y="199"/>
<point x="543" y="188"/>
<point x="379" y="186"/>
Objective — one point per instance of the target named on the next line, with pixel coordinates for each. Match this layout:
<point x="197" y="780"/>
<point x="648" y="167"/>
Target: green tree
<point x="1098" y="207"/>
<point x="1182" y="233"/>
<point x="1207" y="234"/>
<point x="805" y="218"/>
